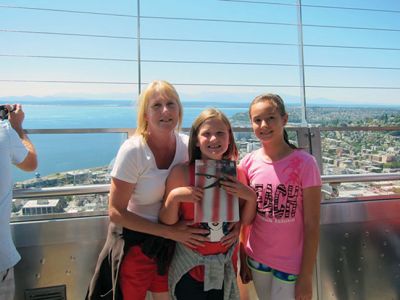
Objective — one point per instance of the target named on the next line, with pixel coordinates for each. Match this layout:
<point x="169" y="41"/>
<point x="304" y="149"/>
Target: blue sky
<point x="276" y="78"/>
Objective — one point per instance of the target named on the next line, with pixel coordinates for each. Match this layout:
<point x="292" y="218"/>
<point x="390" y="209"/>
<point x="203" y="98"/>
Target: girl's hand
<point x="303" y="289"/>
<point x="233" y="235"/>
<point x="188" y="194"/>
<point x="245" y="272"/>
<point x="189" y="236"/>
<point x="234" y="187"/>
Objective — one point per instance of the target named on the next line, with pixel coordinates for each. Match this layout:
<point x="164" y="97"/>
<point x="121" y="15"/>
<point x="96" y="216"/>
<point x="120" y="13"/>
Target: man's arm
<point x="16" y="117"/>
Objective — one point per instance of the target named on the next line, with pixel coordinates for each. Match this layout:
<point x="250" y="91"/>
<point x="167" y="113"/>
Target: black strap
<point x="155" y="247"/>
<point x="5" y="275"/>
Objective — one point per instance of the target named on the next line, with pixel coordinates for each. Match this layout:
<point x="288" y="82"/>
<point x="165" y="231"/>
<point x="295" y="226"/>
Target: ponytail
<point x="286" y="138"/>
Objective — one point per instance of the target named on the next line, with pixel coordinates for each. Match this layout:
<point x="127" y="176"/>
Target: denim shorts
<point x="260" y="267"/>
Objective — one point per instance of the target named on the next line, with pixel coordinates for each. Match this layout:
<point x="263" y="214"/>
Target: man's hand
<point x="16" y="117"/>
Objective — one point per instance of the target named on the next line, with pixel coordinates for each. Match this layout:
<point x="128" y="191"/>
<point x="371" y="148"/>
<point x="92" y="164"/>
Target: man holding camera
<point x="17" y="149"/>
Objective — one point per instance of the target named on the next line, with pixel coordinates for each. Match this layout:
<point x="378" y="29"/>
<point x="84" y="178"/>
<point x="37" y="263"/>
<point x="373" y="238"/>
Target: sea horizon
<point x="66" y="152"/>
<point x="29" y="100"/>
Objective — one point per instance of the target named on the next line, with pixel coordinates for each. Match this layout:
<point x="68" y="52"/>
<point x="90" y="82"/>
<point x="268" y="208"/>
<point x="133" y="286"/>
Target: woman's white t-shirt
<point x="135" y="163"/>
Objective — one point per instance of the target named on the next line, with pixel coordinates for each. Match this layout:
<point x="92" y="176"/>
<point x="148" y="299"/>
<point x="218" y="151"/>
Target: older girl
<point x="281" y="244"/>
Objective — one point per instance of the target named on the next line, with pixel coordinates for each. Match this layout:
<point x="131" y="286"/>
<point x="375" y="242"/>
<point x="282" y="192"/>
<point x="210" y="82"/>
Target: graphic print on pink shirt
<point x="278" y="204"/>
<point x="276" y="236"/>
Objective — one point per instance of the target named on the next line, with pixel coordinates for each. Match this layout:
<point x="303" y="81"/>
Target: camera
<point x="3" y="112"/>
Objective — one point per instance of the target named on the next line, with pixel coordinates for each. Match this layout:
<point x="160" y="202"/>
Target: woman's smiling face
<point x="162" y="113"/>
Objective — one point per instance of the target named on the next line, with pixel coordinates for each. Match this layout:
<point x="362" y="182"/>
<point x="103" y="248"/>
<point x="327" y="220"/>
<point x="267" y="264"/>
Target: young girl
<point x="201" y="271"/>
<point x="281" y="244"/>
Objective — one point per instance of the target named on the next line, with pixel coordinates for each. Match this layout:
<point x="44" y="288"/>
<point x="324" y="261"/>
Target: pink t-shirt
<point x="276" y="236"/>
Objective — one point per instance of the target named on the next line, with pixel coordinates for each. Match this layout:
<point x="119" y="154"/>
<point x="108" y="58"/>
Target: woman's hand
<point x="187" y="235"/>
<point x="233" y="236"/>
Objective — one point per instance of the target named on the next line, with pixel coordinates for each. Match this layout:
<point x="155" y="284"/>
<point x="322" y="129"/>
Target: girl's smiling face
<point x="213" y="139"/>
<point x="267" y="122"/>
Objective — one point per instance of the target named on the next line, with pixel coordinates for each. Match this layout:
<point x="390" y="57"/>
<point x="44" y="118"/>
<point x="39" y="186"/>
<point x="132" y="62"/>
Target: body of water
<point x="64" y="152"/>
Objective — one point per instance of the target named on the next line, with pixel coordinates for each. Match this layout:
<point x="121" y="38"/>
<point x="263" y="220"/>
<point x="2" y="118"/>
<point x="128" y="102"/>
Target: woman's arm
<point x="120" y="193"/>
<point x="311" y="204"/>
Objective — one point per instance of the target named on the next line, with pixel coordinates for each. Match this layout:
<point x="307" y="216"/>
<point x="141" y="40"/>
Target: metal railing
<point x="308" y="138"/>
<point x="128" y="131"/>
<point x="104" y="188"/>
<point x="303" y="134"/>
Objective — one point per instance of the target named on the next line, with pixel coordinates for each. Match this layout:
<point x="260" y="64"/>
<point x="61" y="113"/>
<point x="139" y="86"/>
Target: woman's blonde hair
<point x="210" y="113"/>
<point x="165" y="90"/>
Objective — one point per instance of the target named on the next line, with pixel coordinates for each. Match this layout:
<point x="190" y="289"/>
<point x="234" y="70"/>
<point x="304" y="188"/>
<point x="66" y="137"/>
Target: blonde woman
<point x="137" y="188"/>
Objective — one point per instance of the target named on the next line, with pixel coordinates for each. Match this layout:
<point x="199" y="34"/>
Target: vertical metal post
<point x="138" y="49"/>
<point x="316" y="145"/>
<point x="301" y="63"/>
<point x="303" y="139"/>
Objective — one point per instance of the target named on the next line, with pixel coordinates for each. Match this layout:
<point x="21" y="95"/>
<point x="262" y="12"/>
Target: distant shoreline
<point x="187" y="103"/>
